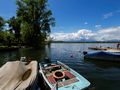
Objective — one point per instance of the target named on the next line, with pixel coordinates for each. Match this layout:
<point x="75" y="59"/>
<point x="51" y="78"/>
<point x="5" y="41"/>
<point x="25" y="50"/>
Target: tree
<point x="2" y="22"/>
<point x="1" y="28"/>
<point x="36" y="20"/>
<point x="6" y="38"/>
<point x="15" y="25"/>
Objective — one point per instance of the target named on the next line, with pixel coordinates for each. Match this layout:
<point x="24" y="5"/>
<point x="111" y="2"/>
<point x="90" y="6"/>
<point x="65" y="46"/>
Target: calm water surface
<point x="102" y="75"/>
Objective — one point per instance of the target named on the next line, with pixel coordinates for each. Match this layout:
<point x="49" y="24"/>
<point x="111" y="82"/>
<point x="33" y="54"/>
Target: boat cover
<point x="16" y="75"/>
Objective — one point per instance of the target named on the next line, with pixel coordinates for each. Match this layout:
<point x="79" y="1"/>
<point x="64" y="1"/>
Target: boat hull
<point x="78" y="80"/>
<point x="103" y="56"/>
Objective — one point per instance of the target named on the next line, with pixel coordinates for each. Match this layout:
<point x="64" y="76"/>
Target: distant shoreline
<point x="83" y="42"/>
<point x="6" y="48"/>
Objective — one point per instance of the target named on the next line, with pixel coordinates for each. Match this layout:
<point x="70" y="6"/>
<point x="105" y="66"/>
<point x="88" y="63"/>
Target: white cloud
<point x="86" y="23"/>
<point x="80" y="35"/>
<point x="107" y="15"/>
<point x="98" y="26"/>
<point x="112" y="33"/>
<point x="110" y="14"/>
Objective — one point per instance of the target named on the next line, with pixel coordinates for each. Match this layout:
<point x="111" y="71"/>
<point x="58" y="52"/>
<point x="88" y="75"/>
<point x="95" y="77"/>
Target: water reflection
<point x="104" y="64"/>
<point x="35" y="54"/>
<point x="102" y="75"/>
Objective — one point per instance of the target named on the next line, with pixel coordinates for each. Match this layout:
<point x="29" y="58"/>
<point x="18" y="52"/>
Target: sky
<point x="78" y="19"/>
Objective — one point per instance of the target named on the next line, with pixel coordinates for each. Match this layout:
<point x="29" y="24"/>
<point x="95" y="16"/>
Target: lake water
<point x="102" y="75"/>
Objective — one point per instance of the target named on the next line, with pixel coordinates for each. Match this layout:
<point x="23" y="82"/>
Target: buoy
<point x="71" y="56"/>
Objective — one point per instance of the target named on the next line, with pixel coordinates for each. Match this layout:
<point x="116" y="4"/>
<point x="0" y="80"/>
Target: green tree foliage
<point x="2" y="37"/>
<point x="1" y="28"/>
<point x="6" y="38"/>
<point x="2" y="22"/>
<point x="9" y="39"/>
<point x="15" y="26"/>
<point x="36" y="20"/>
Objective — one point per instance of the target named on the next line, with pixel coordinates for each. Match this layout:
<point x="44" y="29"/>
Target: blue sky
<point x="7" y="8"/>
<point x="72" y="14"/>
<point x="78" y="19"/>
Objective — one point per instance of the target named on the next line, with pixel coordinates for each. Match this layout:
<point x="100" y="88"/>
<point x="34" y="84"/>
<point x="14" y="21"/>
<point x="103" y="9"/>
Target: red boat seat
<point x="67" y="82"/>
<point x="51" y="79"/>
<point x="68" y="74"/>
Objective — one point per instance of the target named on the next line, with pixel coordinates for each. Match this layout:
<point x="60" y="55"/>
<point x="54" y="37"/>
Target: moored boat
<point x="97" y="48"/>
<point x="113" y="50"/>
<point x="103" y="56"/>
<point x="58" y="76"/>
<point x="107" y="49"/>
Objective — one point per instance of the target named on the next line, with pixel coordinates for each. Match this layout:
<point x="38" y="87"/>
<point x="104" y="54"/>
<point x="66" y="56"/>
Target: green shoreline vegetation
<point x="30" y="27"/>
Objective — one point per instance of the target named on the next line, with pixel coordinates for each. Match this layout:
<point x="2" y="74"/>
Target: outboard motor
<point x="47" y="60"/>
<point x="84" y="52"/>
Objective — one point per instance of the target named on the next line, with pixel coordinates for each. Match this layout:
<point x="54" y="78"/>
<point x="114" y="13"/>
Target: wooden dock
<point x="108" y="49"/>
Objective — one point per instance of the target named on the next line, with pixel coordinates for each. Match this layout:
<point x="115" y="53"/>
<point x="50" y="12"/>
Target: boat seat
<point x="51" y="79"/>
<point x="68" y="74"/>
<point x="67" y="82"/>
<point x="53" y="66"/>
